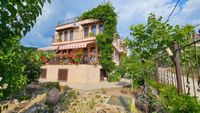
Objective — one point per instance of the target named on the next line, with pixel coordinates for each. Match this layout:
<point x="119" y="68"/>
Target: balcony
<point x="67" y="21"/>
<point x="71" y="58"/>
<point x="57" y="41"/>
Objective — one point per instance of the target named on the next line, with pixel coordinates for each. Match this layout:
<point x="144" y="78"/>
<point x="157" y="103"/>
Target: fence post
<point x="177" y="67"/>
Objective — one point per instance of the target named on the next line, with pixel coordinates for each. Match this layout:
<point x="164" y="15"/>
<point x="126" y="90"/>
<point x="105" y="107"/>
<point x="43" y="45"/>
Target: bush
<point x="114" y="77"/>
<point x="24" y="97"/>
<point x="148" y="100"/>
<point x="67" y="88"/>
<point x="176" y="103"/>
<point x="169" y="101"/>
<point x="32" y="64"/>
<point x="183" y="104"/>
<point x="154" y="83"/>
<point x="138" y="81"/>
<point x="66" y="98"/>
<point x="51" y="85"/>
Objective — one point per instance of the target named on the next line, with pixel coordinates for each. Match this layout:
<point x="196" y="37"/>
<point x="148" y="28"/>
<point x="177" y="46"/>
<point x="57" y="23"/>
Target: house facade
<point x="76" y="53"/>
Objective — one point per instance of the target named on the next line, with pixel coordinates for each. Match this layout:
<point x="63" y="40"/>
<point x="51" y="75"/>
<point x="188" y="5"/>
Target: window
<point x="93" y="30"/>
<point x="71" y="35"/>
<point x="101" y="28"/>
<point x="62" y="74"/>
<point x="43" y="73"/>
<point x="86" y="32"/>
<point x="60" y="37"/>
<point x="66" y="35"/>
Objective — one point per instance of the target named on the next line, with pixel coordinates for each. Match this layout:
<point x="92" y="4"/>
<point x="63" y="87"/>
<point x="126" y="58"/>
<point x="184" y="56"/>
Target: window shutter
<point x="62" y="74"/>
<point x="43" y="73"/>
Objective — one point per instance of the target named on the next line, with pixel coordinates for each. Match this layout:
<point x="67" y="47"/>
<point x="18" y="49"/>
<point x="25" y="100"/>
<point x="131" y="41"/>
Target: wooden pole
<point x="178" y="67"/>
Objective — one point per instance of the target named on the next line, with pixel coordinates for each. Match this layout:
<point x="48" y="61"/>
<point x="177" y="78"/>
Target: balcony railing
<point x="72" y="58"/>
<point x="54" y="40"/>
<point x="67" y="21"/>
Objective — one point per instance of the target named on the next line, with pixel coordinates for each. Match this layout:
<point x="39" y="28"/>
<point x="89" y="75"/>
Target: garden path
<point x="103" y="84"/>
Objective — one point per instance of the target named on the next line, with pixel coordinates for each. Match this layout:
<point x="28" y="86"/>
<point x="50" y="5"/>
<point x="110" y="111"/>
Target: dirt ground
<point x="116" y="91"/>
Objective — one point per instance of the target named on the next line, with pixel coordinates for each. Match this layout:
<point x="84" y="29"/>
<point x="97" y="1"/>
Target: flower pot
<point x="44" y="59"/>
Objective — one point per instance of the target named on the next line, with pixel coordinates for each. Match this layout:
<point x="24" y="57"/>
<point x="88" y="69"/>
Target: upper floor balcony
<point x="74" y="31"/>
<point x="67" y="21"/>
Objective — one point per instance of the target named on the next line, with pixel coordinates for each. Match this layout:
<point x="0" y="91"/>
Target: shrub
<point x="153" y="83"/>
<point x="113" y="77"/>
<point x="66" y="98"/>
<point x="176" y="103"/>
<point x="138" y="81"/>
<point x="66" y="88"/>
<point x="51" y="85"/>
<point x="148" y="100"/>
<point x="24" y="97"/>
<point x="32" y="65"/>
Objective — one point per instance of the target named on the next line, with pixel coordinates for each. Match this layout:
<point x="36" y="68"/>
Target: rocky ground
<point x="93" y="101"/>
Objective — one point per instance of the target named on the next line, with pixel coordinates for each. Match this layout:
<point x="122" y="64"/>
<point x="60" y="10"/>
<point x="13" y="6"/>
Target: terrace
<point x="67" y="57"/>
<point x="67" y="21"/>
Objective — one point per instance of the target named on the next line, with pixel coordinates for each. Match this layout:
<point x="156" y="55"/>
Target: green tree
<point x="31" y="60"/>
<point x="153" y="38"/>
<point x="156" y="36"/>
<point x="16" y="19"/>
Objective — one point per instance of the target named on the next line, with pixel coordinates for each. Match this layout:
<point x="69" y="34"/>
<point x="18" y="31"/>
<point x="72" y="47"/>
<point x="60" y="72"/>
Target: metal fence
<point x="182" y="69"/>
<point x="67" y="21"/>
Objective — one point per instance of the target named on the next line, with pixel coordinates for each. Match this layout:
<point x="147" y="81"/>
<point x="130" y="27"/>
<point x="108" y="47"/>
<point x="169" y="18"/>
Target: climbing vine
<point x="104" y="12"/>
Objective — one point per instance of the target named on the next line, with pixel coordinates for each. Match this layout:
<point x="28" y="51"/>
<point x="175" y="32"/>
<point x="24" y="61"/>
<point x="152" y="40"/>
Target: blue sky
<point x="130" y="12"/>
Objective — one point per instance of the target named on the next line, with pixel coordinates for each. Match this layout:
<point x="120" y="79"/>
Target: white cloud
<point x="189" y="14"/>
<point x="137" y="11"/>
<point x="133" y="12"/>
<point x="43" y="30"/>
<point x="130" y="12"/>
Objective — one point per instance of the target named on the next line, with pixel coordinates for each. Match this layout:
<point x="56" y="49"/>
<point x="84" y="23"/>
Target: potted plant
<point x="51" y="57"/>
<point x="77" y="60"/>
<point x="79" y="54"/>
<point x="44" y="59"/>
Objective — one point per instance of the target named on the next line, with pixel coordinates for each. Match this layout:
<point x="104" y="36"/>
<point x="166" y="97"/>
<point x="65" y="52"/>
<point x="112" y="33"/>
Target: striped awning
<point x="48" y="48"/>
<point x="75" y="45"/>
